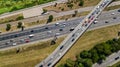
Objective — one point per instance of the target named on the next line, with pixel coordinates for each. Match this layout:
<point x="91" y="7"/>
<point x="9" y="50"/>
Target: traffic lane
<point x="42" y="29"/>
<point x="92" y="26"/>
<point x="108" y="14"/>
<point x="103" y="22"/>
<point x="98" y="24"/>
<point x="105" y="15"/>
<point x="72" y="22"/>
<point x="69" y="37"/>
<point x="109" y="60"/>
<point x="38" y="36"/>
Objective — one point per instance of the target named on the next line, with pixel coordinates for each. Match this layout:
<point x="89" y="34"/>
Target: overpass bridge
<point x="59" y="52"/>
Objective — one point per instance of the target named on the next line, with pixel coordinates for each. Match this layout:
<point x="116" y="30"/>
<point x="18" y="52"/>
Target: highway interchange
<point x="82" y="24"/>
<point x="42" y="33"/>
<point x="73" y="36"/>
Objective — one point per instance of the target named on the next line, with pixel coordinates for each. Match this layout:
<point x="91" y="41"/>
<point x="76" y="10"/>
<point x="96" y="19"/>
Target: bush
<point x="20" y="18"/>
<point x="81" y="3"/>
<point x="19" y="25"/>
<point x="44" y="11"/>
<point x="50" y="18"/>
<point x="8" y="27"/>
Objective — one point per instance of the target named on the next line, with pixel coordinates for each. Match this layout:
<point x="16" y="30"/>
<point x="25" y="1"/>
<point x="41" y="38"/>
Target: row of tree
<point x="20" y="25"/>
<point x="8" y="26"/>
<point x="97" y="54"/>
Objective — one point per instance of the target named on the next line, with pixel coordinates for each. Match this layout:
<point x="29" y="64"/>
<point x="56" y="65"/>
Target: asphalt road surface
<point x="42" y="33"/>
<point x="73" y="36"/>
<point x="110" y="60"/>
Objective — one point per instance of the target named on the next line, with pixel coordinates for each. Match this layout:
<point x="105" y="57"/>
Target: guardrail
<point x="53" y="58"/>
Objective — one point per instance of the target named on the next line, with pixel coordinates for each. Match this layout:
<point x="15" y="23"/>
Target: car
<point x="41" y="66"/>
<point x="59" y="53"/>
<point x="114" y="17"/>
<point x="57" y="34"/>
<point x="27" y="40"/>
<point x="64" y="23"/>
<point x="14" y="44"/>
<point x="72" y="29"/>
<point x="73" y="35"/>
<point x="117" y="58"/>
<point x="62" y="26"/>
<point x="56" y="24"/>
<point x="61" y="29"/>
<point x="92" y="17"/>
<point x="21" y="40"/>
<point x="49" y="32"/>
<point x="106" y="22"/>
<point x="61" y="47"/>
<point x="49" y="64"/>
<point x="119" y="10"/>
<point x="73" y="39"/>
<point x="32" y="31"/>
<point x="31" y="35"/>
<point x="95" y="22"/>
<point x="7" y="43"/>
<point x="86" y="24"/>
<point x="113" y="14"/>
<point x="46" y="27"/>
<point x="12" y="40"/>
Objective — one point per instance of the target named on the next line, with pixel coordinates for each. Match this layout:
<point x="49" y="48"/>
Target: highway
<point x="42" y="33"/>
<point x="53" y="58"/>
<point x="110" y="60"/>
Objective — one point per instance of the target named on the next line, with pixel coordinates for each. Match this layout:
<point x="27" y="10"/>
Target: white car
<point x="14" y="44"/>
<point x="113" y="14"/>
<point x="59" y="53"/>
<point x="95" y="22"/>
<point x="31" y="35"/>
<point x="56" y="24"/>
<point x="49" y="32"/>
<point x="57" y="34"/>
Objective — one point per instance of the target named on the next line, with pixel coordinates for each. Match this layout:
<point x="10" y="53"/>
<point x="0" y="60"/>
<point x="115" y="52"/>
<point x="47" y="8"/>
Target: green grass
<point x="30" y="55"/>
<point x="7" y="5"/>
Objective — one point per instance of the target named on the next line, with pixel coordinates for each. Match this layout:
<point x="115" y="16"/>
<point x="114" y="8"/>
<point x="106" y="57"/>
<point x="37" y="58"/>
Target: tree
<point x="81" y="3"/>
<point x="70" y="5"/>
<point x="44" y="11"/>
<point x="20" y="18"/>
<point x="19" y="25"/>
<point x="85" y="54"/>
<point x="50" y="18"/>
<point x="88" y="63"/>
<point x="69" y="63"/>
<point x="94" y="54"/>
<point x="8" y="27"/>
<point x="107" y="49"/>
<point x="80" y="65"/>
<point x="102" y="57"/>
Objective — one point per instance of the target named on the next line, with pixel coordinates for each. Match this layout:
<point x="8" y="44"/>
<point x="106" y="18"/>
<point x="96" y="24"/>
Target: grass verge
<point x="33" y="54"/>
<point x="115" y="65"/>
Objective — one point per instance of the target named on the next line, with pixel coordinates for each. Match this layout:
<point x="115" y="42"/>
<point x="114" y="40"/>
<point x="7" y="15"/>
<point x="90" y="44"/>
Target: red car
<point x="92" y="17"/>
<point x="27" y="40"/>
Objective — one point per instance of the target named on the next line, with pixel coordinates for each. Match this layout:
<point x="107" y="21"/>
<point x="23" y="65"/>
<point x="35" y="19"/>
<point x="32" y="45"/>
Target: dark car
<point x="116" y="58"/>
<point x="60" y="29"/>
<point x="73" y="40"/>
<point x="49" y="64"/>
<point x="119" y="10"/>
<point x="61" y="47"/>
<point x="71" y="29"/>
<point x="46" y="27"/>
<point x="114" y="17"/>
<point x="41" y="66"/>
<point x="106" y="22"/>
